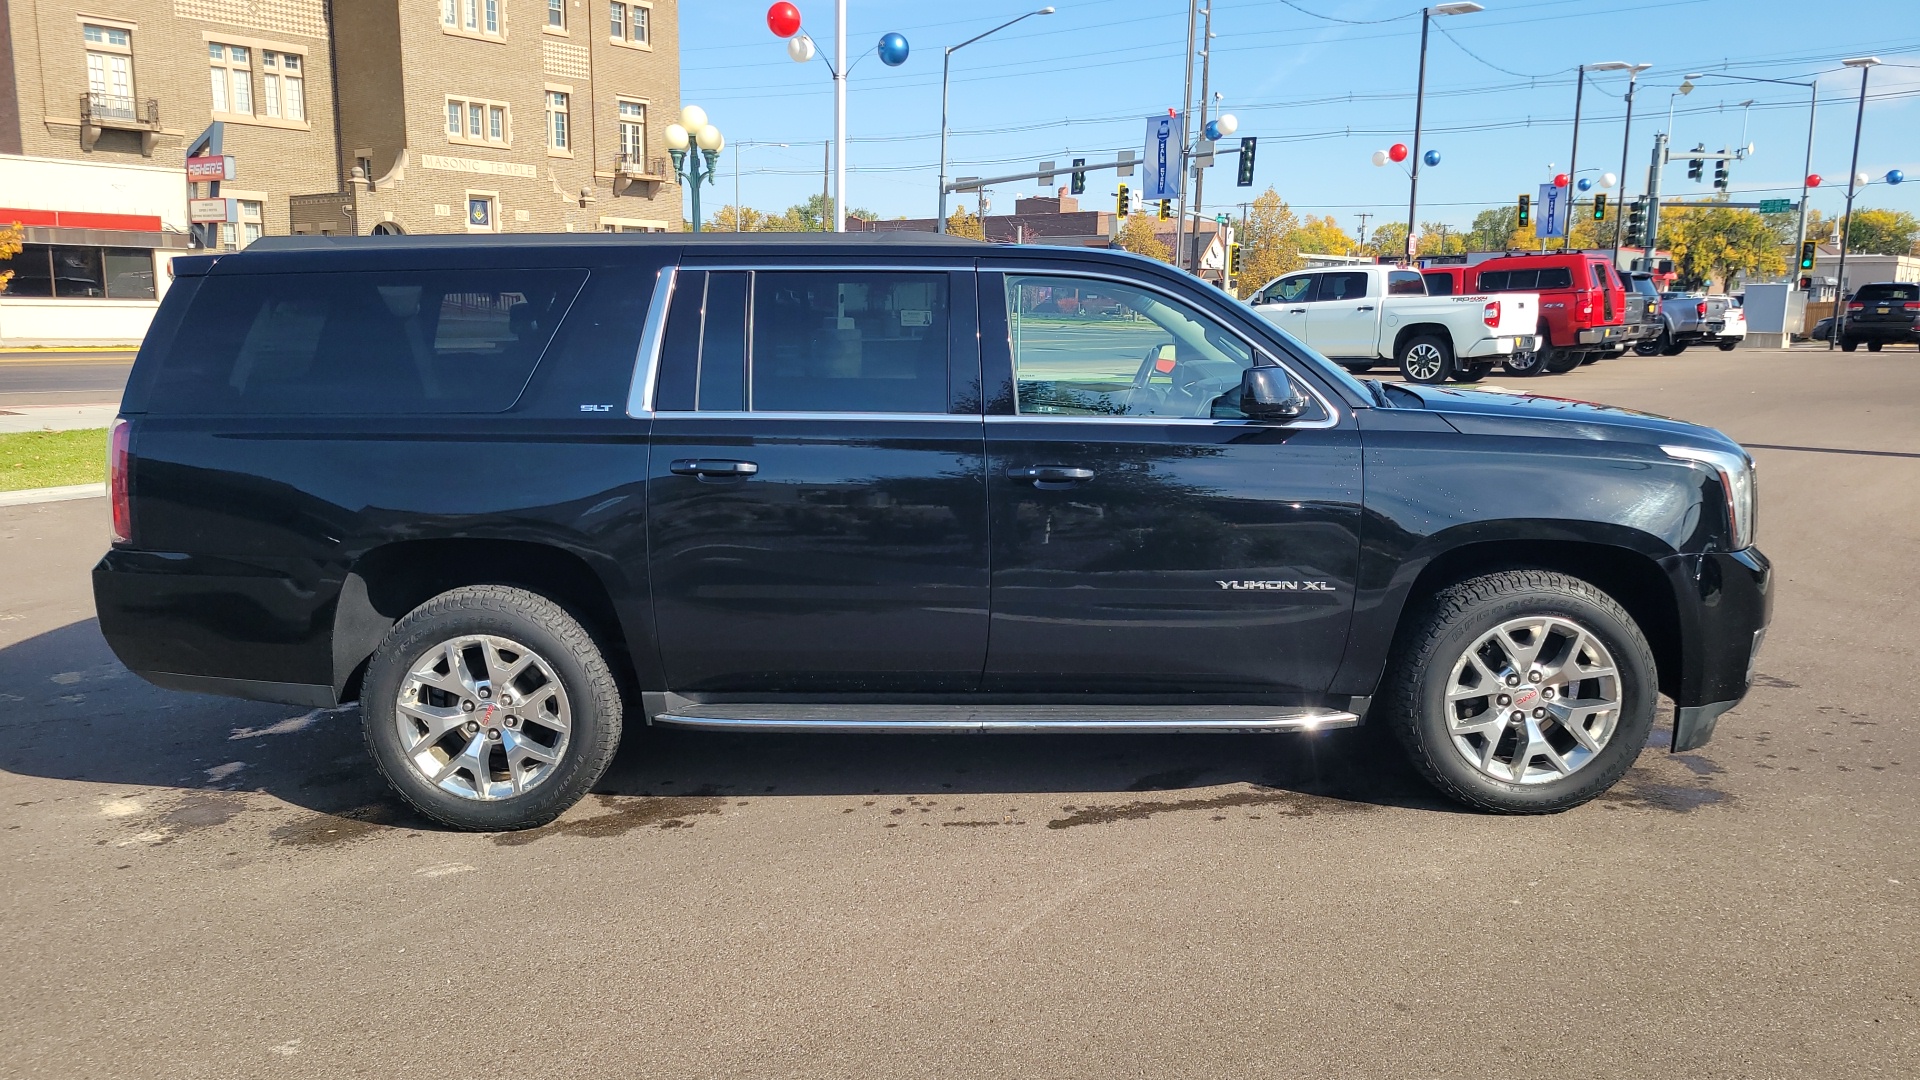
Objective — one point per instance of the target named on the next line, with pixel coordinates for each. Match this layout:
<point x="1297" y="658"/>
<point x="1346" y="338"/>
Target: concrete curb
<point x="29" y="496"/>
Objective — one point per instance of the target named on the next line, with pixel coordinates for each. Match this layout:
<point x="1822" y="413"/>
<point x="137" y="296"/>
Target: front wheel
<point x="1848" y="346"/>
<point x="1655" y="346"/>
<point x="1729" y="346"/>
<point x="491" y="708"/>
<point x="1426" y="359"/>
<point x="1874" y="346"/>
<point x="1522" y="692"/>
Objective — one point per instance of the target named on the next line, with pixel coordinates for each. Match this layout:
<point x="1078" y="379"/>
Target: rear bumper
<point x="1602" y="335"/>
<point x="1866" y="331"/>
<point x="1498" y="346"/>
<point x="1724" y="601"/>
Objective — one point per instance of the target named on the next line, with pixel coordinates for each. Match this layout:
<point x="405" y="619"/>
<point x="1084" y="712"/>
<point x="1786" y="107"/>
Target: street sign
<point x="1550" y="217"/>
<point x="1162" y="179"/>
<point x="208" y="211"/>
<point x="1046" y="174"/>
<point x="1775" y="206"/>
<point x="210" y="167"/>
<point x="1203" y="153"/>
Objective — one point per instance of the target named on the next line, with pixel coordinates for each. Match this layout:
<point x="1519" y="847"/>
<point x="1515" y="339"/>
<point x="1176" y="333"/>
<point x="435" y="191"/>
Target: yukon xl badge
<point x="1279" y="586"/>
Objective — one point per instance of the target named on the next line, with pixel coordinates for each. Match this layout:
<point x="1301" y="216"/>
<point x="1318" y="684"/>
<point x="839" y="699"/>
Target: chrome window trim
<point x="852" y="268"/>
<point x="681" y="414"/>
<point x="646" y="362"/>
<point x="1333" y="414"/>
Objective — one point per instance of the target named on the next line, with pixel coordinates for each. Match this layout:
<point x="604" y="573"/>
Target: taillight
<point x="1856" y="306"/>
<point x="1911" y="305"/>
<point x="1586" y="307"/>
<point x="117" y="438"/>
<point x="1700" y="309"/>
<point x="1491" y="313"/>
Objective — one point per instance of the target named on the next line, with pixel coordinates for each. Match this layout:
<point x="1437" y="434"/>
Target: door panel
<point x="1343" y="320"/>
<point x="1288" y="302"/>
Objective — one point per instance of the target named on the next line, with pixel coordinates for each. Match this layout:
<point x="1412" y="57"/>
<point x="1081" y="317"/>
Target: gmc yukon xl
<point x="512" y="494"/>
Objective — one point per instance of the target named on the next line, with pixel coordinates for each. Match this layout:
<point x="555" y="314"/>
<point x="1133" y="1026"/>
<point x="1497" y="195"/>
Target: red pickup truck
<point x="1583" y="307"/>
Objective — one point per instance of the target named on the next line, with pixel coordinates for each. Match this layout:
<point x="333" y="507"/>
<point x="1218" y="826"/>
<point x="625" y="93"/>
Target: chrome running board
<point x="1010" y="719"/>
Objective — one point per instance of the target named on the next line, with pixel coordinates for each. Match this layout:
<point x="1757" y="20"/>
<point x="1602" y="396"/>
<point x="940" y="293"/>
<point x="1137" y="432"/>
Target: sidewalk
<point x="29" y="496"/>
<point x="17" y="418"/>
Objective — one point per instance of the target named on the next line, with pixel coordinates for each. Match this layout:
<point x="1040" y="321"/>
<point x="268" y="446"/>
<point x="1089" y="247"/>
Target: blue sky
<point x="1321" y="95"/>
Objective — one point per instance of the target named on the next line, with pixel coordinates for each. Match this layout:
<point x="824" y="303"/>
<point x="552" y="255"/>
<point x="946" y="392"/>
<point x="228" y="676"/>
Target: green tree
<point x="1437" y="239"/>
<point x="1493" y="229"/>
<point x="1269" y="242"/>
<point x="1388" y="239"/>
<point x="1718" y="244"/>
<point x="1882" y="232"/>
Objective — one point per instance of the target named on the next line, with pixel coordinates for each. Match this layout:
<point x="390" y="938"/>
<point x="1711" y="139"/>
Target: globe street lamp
<point x="694" y="132"/>
<point x="946" y="64"/>
<point x="1466" y="7"/>
<point x="1854" y="181"/>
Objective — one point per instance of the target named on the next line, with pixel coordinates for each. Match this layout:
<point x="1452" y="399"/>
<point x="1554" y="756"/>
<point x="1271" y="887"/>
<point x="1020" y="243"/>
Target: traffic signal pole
<point x="1653" y="201"/>
<point x="1199" y="173"/>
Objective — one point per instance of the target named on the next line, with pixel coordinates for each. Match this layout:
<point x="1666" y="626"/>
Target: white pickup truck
<point x="1361" y="315"/>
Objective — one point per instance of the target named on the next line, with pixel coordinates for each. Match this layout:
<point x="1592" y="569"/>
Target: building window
<point x="556" y="120"/>
<point x="630" y="23"/>
<point x="557" y="14"/>
<point x="493" y="16"/>
<point x="633" y="135"/>
<point x="480" y="122"/>
<point x="471" y="11"/>
<point x="109" y="70"/>
<point x="232" y="78"/>
<point x="236" y="235"/>
<point x="483" y="213"/>
<point x="282" y="87"/>
<point x="472" y="18"/>
<point x="80" y="273"/>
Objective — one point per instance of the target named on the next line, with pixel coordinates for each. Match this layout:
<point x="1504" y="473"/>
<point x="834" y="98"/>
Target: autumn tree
<point x="965" y="224"/>
<point x="1389" y="239"/>
<point x="9" y="247"/>
<point x="1137" y="236"/>
<point x="1717" y="243"/>
<point x="1323" y="236"/>
<point x="1437" y="239"/>
<point x="1269" y="242"/>
<point x="1883" y="232"/>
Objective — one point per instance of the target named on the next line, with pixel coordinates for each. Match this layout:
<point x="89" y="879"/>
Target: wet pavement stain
<point x="1774" y="680"/>
<point x="1290" y="804"/>
<point x="1170" y="780"/>
<point x="203" y="810"/>
<point x="345" y="827"/>
<point x="1640" y="790"/>
<point x="625" y="814"/>
<point x="1698" y="765"/>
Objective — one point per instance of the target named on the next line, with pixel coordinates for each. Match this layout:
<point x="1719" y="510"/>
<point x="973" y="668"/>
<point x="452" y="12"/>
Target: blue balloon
<point x="1895" y="176"/>
<point x="1213" y="130"/>
<point x="1431" y="157"/>
<point x="1585" y="183"/>
<point x="893" y="49"/>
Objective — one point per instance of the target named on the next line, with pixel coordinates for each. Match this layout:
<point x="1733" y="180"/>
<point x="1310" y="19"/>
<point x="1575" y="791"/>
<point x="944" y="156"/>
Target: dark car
<point x="511" y="493"/>
<point x="1886" y="312"/>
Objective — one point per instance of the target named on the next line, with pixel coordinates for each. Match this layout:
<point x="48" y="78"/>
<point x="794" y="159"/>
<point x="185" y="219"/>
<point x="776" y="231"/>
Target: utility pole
<point x="1186" y="126"/>
<point x="1199" y="173"/>
<point x="1653" y="201"/>
<point x="1363" y="226"/>
<point x="1573" y="158"/>
<point x="840" y="116"/>
<point x="826" y="176"/>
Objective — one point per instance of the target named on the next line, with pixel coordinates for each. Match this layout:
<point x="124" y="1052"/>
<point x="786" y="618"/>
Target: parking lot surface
<point x="199" y="887"/>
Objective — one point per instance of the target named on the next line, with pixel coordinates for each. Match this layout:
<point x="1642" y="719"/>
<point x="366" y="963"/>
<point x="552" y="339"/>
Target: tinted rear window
<point x="1439" y="284"/>
<point x="848" y="342"/>
<point x="1343" y="285"/>
<point x="1555" y="277"/>
<point x="374" y="343"/>
<point x="1875" y="293"/>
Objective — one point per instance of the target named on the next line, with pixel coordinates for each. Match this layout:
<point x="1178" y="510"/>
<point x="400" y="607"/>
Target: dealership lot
<point x="206" y="887"/>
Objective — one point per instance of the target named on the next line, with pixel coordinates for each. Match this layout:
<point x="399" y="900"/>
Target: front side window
<point x="861" y="342"/>
<point x="1293" y="290"/>
<point x="1083" y="347"/>
<point x="556" y="120"/>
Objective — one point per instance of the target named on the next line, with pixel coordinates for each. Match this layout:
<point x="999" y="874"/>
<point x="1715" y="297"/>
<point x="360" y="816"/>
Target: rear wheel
<point x="1426" y="359"/>
<point x="1670" y="347"/>
<point x="1563" y="361"/>
<point x="1522" y="692"/>
<point x="491" y="708"/>
<point x="1655" y="346"/>
<point x="1729" y="346"/>
<point x="1874" y="346"/>
<point x="1848" y="346"/>
<point x="1472" y="374"/>
<point x="1526" y="363"/>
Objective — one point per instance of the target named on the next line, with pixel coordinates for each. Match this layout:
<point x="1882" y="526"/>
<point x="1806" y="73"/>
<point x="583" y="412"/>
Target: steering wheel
<point x="1190" y="395"/>
<point x="1151" y="364"/>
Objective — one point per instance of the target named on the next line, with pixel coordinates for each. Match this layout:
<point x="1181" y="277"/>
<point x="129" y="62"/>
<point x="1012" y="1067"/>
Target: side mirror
<point x="1267" y="394"/>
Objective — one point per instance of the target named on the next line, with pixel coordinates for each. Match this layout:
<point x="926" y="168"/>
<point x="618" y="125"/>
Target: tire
<point x="1525" y="364"/>
<point x="1669" y="347"/>
<point x="1431" y="658"/>
<point x="1657" y="346"/>
<point x="1563" y="361"/>
<point x="557" y="752"/>
<point x="1874" y="346"/>
<point x="1355" y="367"/>
<point x="1426" y="359"/>
<point x="1848" y="346"/>
<point x="1729" y="346"/>
<point x="1473" y="374"/>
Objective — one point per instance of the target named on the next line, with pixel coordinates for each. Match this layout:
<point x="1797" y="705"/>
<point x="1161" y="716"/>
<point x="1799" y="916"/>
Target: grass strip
<point x="37" y="459"/>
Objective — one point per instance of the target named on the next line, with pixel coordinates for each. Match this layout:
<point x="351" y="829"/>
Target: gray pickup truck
<point x="1690" y="319"/>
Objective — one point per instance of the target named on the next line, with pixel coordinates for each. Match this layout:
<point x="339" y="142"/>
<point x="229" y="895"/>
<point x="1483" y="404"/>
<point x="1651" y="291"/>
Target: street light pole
<point x="1573" y="157"/>
<point x="838" y="209"/>
<point x="1866" y="65"/>
<point x="1186" y="127"/>
<point x="946" y="66"/>
<point x="1419" y="110"/>
<point x="1813" y="110"/>
<point x="1626" y="143"/>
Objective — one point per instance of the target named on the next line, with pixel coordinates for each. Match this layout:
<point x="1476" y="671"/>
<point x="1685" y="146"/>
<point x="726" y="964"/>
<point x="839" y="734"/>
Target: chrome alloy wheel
<point x="1424" y="361"/>
<point x="1533" y="700"/>
<point x="483" y="717"/>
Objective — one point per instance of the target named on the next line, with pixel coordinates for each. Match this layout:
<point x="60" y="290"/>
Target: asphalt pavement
<point x="200" y="887"/>
<point x="40" y="378"/>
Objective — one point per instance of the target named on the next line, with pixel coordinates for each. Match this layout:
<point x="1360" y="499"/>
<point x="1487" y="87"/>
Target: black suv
<point x="510" y="493"/>
<point x="1886" y="311"/>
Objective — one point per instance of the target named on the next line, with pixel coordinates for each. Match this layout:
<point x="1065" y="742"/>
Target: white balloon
<point x="693" y="118"/>
<point x="1228" y="123"/>
<point x="676" y="137"/>
<point x="800" y="48"/>
<point x="1607" y="180"/>
<point x="1380" y="157"/>
<point x="1861" y="179"/>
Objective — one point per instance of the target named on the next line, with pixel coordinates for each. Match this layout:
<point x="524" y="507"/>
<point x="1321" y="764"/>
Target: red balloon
<point x="783" y="19"/>
<point x="1813" y="180"/>
<point x="1559" y="179"/>
<point x="1398" y="151"/>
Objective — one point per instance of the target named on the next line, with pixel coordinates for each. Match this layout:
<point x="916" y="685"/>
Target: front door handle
<point x="1297" y="311"/>
<point x="711" y="467"/>
<point x="1049" y="477"/>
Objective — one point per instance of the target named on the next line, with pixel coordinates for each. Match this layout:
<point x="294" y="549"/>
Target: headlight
<point x="1736" y="474"/>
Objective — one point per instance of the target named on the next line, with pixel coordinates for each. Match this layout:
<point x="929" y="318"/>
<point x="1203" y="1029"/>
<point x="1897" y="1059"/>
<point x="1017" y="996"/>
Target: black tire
<point x="1356" y="367"/>
<point x="1874" y="346"/>
<point x="1426" y="358"/>
<point x="1438" y="633"/>
<point x="1563" y="361"/>
<point x="560" y="642"/>
<point x="1473" y="374"/>
<point x="1657" y="346"/>
<point x="1848" y="346"/>
<point x="1729" y="346"/>
<point x="1672" y="348"/>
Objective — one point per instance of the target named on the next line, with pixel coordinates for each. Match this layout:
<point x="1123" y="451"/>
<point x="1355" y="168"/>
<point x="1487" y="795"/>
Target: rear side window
<point x="1343" y="285"/>
<point x="364" y="342"/>
<point x="1439" y="284"/>
<point x="1554" y="277"/>
<point x="1405" y="283"/>
<point x="848" y="342"/>
<point x="1869" y="294"/>
<point x="1602" y="275"/>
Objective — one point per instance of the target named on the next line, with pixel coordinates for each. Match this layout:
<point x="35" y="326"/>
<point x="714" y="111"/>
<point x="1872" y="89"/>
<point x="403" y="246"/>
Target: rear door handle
<point x="1297" y="311"/>
<point x="713" y="467"/>
<point x="1051" y="477"/>
<point x="1364" y="307"/>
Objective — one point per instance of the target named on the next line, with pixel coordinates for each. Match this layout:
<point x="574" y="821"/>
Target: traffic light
<point x="1807" y="248"/>
<point x="1246" y="163"/>
<point x="1124" y="204"/>
<point x="1526" y="211"/>
<point x="1166" y="209"/>
<point x="1720" y="173"/>
<point x="1697" y="167"/>
<point x="1637" y="223"/>
<point x="1600" y="207"/>
<point x="1079" y="183"/>
<point x="1233" y="262"/>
